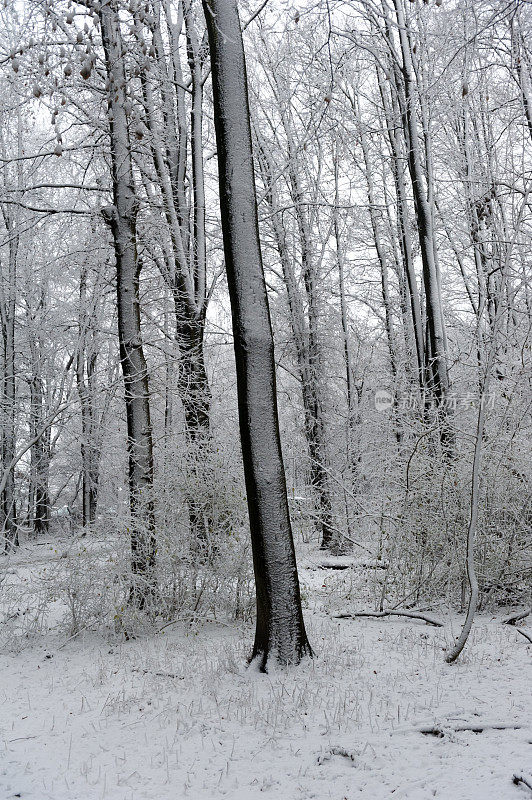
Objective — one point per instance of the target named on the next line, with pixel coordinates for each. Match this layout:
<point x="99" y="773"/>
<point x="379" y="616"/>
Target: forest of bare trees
<point x="265" y="293"/>
<point x="382" y="224"/>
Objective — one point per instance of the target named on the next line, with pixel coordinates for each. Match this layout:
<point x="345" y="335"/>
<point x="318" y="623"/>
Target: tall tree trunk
<point x="314" y="422"/>
<point x="40" y="452"/>
<point x="385" y="284"/>
<point x="437" y="362"/>
<point x="186" y="256"/>
<point x="122" y="217"/>
<point x="305" y="333"/>
<point x="280" y="632"/>
<point x="8" y="289"/>
<point x="8" y="522"/>
<point x="353" y="397"/>
<point x="392" y="115"/>
<point x="86" y="383"/>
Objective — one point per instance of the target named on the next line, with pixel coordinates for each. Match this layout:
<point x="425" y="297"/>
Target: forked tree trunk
<point x="436" y="347"/>
<point x="280" y="632"/>
<point x="195" y="395"/>
<point x="122" y="217"/>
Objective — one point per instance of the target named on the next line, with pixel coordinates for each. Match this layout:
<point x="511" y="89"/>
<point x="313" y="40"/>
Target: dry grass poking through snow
<point x="178" y="715"/>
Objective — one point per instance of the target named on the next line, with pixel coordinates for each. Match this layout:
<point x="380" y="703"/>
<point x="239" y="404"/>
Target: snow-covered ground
<point x="177" y="714"/>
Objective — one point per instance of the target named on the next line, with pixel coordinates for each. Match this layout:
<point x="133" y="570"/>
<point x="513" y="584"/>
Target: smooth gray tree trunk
<point x="280" y="632"/>
<point x="122" y="218"/>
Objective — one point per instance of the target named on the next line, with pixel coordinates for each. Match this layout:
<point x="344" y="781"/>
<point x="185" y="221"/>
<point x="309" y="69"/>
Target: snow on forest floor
<point x="178" y="715"/>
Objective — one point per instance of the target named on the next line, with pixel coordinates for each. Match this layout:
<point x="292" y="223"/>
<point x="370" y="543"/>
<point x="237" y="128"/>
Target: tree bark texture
<point x="122" y="217"/>
<point x="280" y="632"/>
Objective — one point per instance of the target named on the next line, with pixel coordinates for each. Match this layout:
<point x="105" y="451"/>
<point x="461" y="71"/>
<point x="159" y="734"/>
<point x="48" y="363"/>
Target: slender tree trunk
<point x="436" y="363"/>
<point x="8" y="289"/>
<point x="476" y="478"/>
<point x="185" y="270"/>
<point x="41" y="521"/>
<point x="522" y="67"/>
<point x="403" y="224"/>
<point x="305" y="333"/>
<point x="353" y="417"/>
<point x="8" y="522"/>
<point x="122" y="219"/>
<point x="312" y="388"/>
<point x="385" y="284"/>
<point x="280" y="632"/>
<point x="86" y="383"/>
<point x="40" y="453"/>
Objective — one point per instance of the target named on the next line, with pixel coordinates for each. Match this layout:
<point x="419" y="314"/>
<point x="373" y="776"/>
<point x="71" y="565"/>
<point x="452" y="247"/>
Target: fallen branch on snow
<point x="158" y="674"/>
<point x="520" y="778"/>
<point x="523" y="633"/>
<point x="391" y="612"/>
<point x="335" y="751"/>
<point x="346" y="563"/>
<point x="513" y="618"/>
<point x="474" y="727"/>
